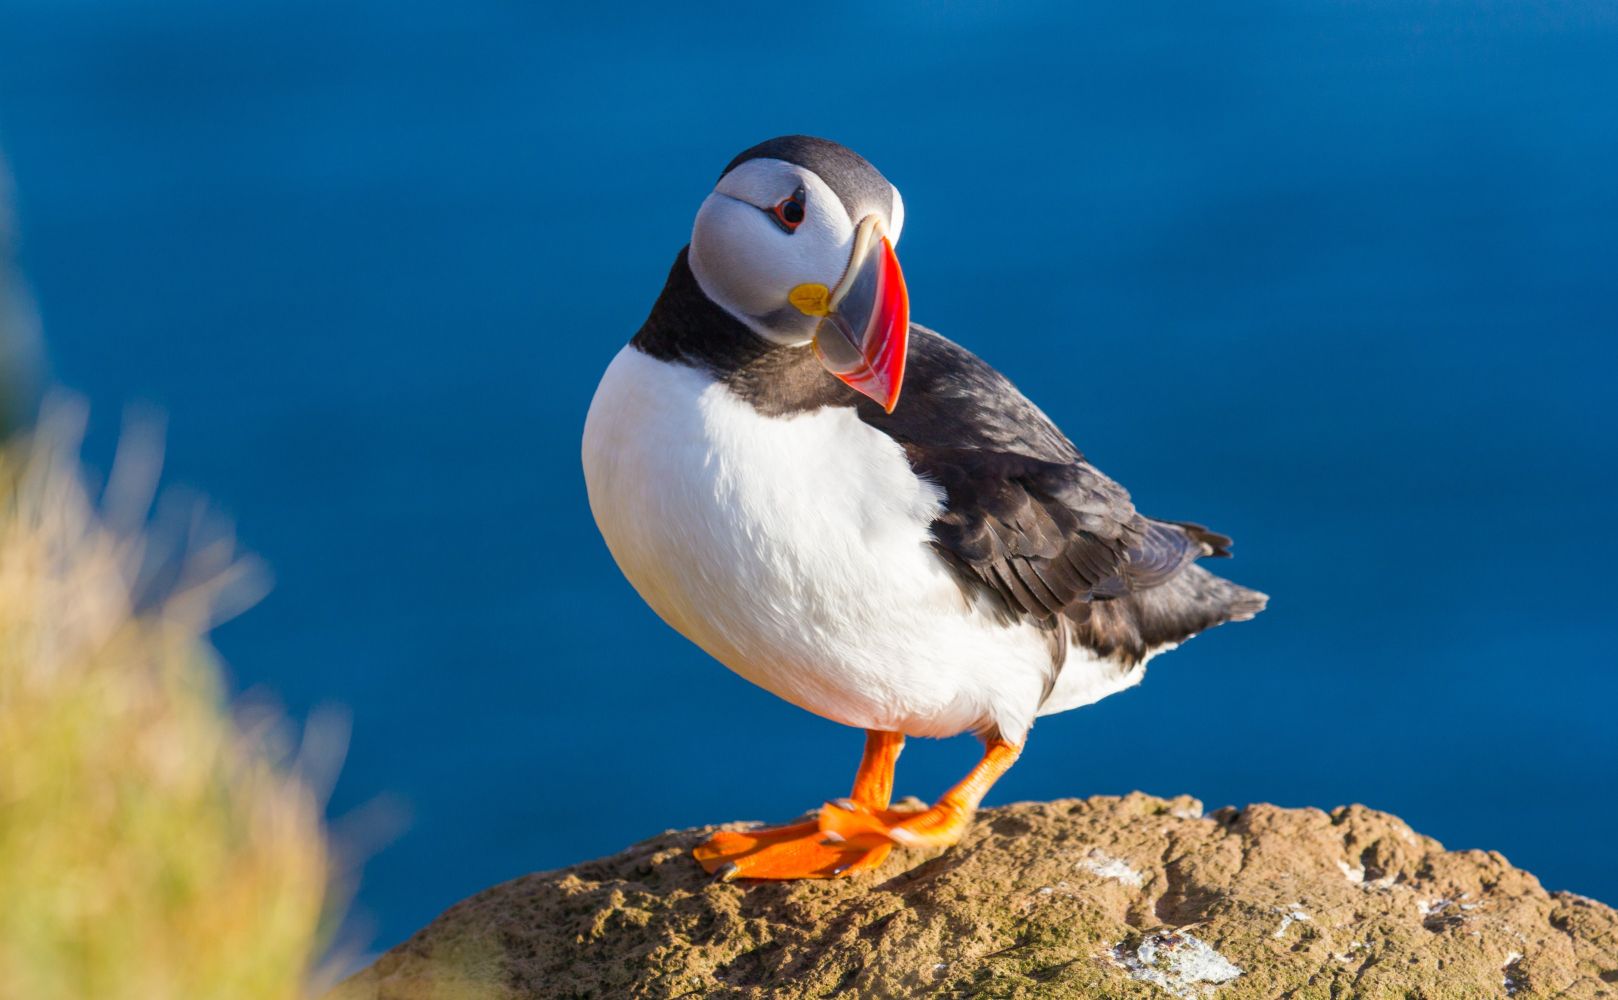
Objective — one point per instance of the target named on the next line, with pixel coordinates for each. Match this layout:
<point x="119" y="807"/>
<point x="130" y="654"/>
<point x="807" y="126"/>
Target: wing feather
<point x="1028" y="519"/>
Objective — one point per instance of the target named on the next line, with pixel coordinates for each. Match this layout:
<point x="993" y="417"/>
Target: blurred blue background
<point x="1339" y="279"/>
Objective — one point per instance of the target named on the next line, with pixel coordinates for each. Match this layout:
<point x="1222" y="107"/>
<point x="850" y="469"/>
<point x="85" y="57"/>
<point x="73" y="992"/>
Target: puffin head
<point x="797" y="242"/>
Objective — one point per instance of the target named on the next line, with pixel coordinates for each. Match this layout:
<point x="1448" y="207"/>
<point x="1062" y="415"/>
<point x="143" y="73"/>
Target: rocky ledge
<point x="1104" y="897"/>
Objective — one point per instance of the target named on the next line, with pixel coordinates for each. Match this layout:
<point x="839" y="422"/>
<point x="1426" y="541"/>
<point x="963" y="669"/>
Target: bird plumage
<point x="862" y="516"/>
<point x="1047" y="552"/>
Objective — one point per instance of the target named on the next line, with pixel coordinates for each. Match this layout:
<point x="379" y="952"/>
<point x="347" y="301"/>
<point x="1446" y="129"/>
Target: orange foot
<point x="788" y="852"/>
<point x="801" y="850"/>
<point x="850" y="825"/>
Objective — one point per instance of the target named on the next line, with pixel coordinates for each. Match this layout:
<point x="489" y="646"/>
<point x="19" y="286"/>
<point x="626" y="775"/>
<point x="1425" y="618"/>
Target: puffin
<point x="861" y="516"/>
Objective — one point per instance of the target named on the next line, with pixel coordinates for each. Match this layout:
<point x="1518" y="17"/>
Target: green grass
<point x="151" y="845"/>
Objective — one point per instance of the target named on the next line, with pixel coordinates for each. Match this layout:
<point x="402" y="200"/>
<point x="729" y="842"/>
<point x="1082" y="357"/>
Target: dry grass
<point x="152" y="845"/>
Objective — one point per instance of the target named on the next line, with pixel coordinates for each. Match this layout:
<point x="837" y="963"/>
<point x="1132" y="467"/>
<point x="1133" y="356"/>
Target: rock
<point x="1105" y="897"/>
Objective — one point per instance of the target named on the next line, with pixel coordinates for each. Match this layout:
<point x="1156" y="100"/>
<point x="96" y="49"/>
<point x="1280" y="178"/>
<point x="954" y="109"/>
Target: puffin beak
<point x="864" y="330"/>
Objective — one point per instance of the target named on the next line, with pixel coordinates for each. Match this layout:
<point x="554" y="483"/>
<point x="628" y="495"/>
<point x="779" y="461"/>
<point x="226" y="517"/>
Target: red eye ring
<point x="790" y="212"/>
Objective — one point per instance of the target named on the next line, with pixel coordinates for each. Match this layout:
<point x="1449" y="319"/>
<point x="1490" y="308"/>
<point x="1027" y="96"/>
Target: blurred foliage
<point x="152" y="844"/>
<point x="20" y="354"/>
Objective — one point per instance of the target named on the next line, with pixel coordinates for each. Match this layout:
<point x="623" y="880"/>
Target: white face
<point x="747" y="261"/>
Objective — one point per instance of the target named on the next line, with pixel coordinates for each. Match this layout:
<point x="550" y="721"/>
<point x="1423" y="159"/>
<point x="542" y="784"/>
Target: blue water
<point x="1339" y="279"/>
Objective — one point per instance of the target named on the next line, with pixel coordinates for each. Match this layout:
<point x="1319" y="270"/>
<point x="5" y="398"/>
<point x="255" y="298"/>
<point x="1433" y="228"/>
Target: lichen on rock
<point x="1132" y="897"/>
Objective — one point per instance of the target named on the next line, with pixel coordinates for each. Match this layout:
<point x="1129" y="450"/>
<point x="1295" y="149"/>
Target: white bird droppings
<point x="1348" y="956"/>
<point x="1511" y="978"/>
<point x="1290" y="915"/>
<point x="1177" y="962"/>
<point x="1104" y="865"/>
<point x="1356" y="875"/>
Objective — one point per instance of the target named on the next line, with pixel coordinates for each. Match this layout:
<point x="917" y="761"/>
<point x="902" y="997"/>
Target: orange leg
<point x="800" y="850"/>
<point x="873" y="782"/>
<point x="939" y="826"/>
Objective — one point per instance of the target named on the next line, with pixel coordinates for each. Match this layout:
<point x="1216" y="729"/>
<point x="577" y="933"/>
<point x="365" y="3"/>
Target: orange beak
<point x="864" y="332"/>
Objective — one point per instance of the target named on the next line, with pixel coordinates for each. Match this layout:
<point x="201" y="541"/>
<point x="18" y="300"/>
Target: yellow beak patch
<point x="811" y="299"/>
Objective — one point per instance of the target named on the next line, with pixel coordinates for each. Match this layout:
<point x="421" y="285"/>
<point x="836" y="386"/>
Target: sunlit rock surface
<point x="1105" y="897"/>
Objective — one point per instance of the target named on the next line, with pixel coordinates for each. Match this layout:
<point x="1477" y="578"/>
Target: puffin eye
<point x="789" y="213"/>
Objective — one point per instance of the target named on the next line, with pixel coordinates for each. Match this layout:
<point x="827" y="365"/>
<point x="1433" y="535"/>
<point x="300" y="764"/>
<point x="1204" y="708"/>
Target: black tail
<point x="1134" y="626"/>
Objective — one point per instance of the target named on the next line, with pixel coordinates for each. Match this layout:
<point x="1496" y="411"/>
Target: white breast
<point x="794" y="550"/>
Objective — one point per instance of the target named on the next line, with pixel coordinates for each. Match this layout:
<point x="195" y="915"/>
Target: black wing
<point x="1044" y="536"/>
<point x="1024" y="514"/>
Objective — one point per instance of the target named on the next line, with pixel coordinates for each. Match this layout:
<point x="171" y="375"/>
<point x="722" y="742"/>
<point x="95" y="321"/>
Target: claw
<point x="904" y="838"/>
